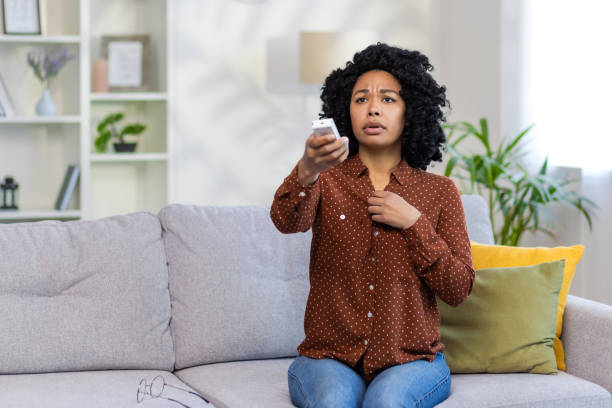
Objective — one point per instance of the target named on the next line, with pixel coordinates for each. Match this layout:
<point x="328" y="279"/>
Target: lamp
<point x="321" y="52"/>
<point x="9" y="192"/>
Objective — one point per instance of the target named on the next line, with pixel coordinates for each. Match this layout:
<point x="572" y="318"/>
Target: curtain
<point x="567" y="68"/>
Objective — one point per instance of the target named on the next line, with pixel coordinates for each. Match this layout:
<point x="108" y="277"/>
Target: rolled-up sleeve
<point x="294" y="207"/>
<point x="442" y="256"/>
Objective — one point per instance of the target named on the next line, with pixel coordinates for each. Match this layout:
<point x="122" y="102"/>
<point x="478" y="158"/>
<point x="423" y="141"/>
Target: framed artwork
<point x="21" y="17"/>
<point x="128" y="61"/>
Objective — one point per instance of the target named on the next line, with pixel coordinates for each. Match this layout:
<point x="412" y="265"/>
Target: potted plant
<point x="46" y="65"/>
<point x="107" y="130"/>
<point x="513" y="192"/>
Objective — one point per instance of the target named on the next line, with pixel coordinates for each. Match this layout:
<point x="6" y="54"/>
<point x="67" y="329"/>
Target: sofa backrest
<point x="239" y="287"/>
<point x="84" y="295"/>
<point x="477" y="218"/>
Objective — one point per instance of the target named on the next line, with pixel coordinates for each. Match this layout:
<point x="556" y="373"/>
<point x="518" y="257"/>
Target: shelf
<point x="128" y="157"/>
<point x="18" y="215"/>
<point x="128" y="96"/>
<point x="40" y="39"/>
<point x="38" y="149"/>
<point x="41" y="120"/>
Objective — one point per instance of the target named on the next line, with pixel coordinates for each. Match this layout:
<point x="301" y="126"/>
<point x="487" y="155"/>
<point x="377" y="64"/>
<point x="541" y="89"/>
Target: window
<point x="568" y="79"/>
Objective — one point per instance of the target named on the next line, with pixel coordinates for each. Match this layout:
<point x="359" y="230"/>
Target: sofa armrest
<point x="587" y="330"/>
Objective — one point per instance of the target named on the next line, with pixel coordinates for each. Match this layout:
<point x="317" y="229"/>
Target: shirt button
<point x="365" y="342"/>
<point x="375" y="233"/>
<point x="342" y="216"/>
<point x="373" y="259"/>
<point x="302" y="194"/>
<point x="371" y="287"/>
<point x="370" y="314"/>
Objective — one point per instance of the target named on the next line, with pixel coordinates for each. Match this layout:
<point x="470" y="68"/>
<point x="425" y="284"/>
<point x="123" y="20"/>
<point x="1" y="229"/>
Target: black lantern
<point x="9" y="191"/>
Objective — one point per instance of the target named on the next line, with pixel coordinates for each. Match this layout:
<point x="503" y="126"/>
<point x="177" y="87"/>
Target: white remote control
<point x="324" y="126"/>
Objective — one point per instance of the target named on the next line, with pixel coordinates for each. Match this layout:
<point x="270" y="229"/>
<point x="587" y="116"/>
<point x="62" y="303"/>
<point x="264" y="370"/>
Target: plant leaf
<point x="133" y="129"/>
<point x="102" y="140"/>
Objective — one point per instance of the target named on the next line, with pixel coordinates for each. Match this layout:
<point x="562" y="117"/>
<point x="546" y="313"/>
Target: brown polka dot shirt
<point x="373" y="286"/>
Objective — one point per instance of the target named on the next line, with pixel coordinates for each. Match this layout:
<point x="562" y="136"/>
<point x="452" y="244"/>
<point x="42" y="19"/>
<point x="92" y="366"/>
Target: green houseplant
<point x="515" y="194"/>
<point x="107" y="130"/>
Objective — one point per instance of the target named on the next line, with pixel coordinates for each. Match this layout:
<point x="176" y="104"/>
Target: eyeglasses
<point x="158" y="387"/>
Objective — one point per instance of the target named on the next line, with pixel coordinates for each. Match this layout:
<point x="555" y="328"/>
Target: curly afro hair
<point x="423" y="138"/>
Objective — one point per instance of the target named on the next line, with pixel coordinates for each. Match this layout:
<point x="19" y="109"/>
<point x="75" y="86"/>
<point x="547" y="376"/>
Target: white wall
<point x="240" y="121"/>
<point x="241" y="124"/>
<point x="469" y="59"/>
<point x="236" y="65"/>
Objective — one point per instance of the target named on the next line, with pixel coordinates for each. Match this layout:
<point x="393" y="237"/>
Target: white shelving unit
<point x="38" y="215"/>
<point x="130" y="96"/>
<point x="41" y="39"/>
<point x="41" y="120"/>
<point x="136" y="157"/>
<point x="36" y="151"/>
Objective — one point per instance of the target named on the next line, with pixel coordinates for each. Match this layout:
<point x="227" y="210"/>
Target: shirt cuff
<point x="294" y="189"/>
<point x="428" y="244"/>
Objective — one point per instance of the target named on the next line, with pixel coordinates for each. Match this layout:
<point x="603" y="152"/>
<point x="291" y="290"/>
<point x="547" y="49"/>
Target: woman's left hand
<point x="391" y="209"/>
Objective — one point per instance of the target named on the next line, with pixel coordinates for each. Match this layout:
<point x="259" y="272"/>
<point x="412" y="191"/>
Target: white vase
<point x="45" y="105"/>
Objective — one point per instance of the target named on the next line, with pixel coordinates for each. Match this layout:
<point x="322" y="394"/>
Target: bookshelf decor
<point x="107" y="131"/>
<point x="21" y="16"/>
<point x="68" y="185"/>
<point x="128" y="58"/>
<point x="38" y="150"/>
<point x="99" y="76"/>
<point x="6" y="105"/>
<point x="47" y="65"/>
<point x="9" y="194"/>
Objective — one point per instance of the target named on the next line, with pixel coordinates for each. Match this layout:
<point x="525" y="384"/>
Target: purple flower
<point x="47" y="65"/>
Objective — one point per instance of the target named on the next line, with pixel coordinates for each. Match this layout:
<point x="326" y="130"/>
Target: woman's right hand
<point x="321" y="153"/>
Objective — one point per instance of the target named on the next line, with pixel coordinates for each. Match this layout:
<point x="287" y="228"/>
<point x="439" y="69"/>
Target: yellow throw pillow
<point x="496" y="256"/>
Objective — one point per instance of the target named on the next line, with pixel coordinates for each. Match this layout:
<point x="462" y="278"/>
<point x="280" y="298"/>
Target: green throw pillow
<point x="507" y="323"/>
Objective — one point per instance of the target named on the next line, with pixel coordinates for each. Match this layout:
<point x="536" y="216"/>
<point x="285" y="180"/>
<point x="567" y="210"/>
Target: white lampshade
<point x="322" y="52"/>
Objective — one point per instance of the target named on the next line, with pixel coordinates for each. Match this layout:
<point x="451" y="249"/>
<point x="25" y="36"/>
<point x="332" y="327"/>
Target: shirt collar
<point x="404" y="173"/>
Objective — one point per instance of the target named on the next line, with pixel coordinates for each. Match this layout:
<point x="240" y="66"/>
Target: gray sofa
<point x="212" y="300"/>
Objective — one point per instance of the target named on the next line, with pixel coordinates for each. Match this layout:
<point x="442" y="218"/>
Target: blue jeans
<point x="317" y="383"/>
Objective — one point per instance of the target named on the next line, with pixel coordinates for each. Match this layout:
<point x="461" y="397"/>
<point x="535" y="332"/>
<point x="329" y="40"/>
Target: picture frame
<point x="21" y="17"/>
<point x="128" y="61"/>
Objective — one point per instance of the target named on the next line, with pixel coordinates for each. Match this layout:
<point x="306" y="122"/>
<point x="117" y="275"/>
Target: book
<point x="6" y="106"/>
<point x="70" y="180"/>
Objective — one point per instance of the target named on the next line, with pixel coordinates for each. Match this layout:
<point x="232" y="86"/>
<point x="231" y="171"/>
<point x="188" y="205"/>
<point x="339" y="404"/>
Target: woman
<point x="387" y="237"/>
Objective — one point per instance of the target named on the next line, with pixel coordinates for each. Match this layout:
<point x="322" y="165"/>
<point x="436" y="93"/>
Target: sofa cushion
<point x="495" y="256"/>
<point x="91" y="389"/>
<point x="507" y="324"/>
<point x="254" y="383"/>
<point x="259" y="384"/>
<point x="84" y="295"/>
<point x="525" y="390"/>
<point x="238" y="286"/>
